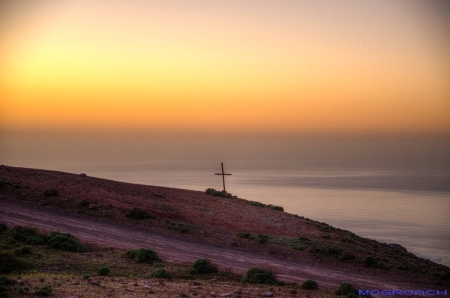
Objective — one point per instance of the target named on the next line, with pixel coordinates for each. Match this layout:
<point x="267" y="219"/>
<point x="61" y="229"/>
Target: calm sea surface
<point x="399" y="195"/>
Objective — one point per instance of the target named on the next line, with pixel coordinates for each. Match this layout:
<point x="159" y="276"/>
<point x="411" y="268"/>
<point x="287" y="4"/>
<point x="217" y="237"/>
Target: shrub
<point x="3" y="228"/>
<point x="258" y="204"/>
<point x="254" y="203"/>
<point x="258" y="276"/>
<point x="44" y="291"/>
<point x="347" y="240"/>
<point x="37" y="240"/>
<point x="20" y="233"/>
<point x="137" y="213"/>
<point x="84" y="203"/>
<point x="326" y="236"/>
<point x="346" y="288"/>
<point x="244" y="235"/>
<point x="324" y="227"/>
<point x="262" y="240"/>
<point x="103" y="271"/>
<point x="370" y="261"/>
<point x="24" y="250"/>
<point x="143" y="255"/>
<point x="4" y="282"/>
<point x="278" y="208"/>
<point x="216" y="193"/>
<point x="345" y="255"/>
<point x="86" y="276"/>
<point x="65" y="242"/>
<point x="310" y="285"/>
<point x="204" y="266"/>
<point x="49" y="192"/>
<point x="162" y="273"/>
<point x="9" y="263"/>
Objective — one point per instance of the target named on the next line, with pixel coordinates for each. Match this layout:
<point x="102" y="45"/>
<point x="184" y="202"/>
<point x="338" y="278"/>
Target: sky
<point x="226" y="68"/>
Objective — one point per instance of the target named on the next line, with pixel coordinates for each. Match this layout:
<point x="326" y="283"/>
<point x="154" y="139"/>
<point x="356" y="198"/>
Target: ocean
<point x="393" y="191"/>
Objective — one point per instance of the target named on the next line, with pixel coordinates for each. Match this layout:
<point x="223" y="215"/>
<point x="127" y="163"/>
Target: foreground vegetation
<point x="33" y="263"/>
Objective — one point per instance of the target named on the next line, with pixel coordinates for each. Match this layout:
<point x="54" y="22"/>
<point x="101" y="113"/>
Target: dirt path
<point x="178" y="249"/>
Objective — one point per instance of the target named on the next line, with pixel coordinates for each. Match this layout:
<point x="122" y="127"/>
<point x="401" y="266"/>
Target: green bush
<point x="20" y="233"/>
<point x="143" y="255"/>
<point x="103" y="271"/>
<point x="9" y="263"/>
<point x="86" y="276"/>
<point x="324" y="227"/>
<point x="216" y="193"/>
<point x="347" y="240"/>
<point x="245" y="235"/>
<point x="137" y="213"/>
<point x="262" y="238"/>
<point x="258" y="276"/>
<point x="44" y="291"/>
<point x="65" y="242"/>
<point x="24" y="250"/>
<point x="370" y="261"/>
<point x="345" y="255"/>
<point x="162" y="273"/>
<point x="346" y="288"/>
<point x="278" y="208"/>
<point x="37" y="240"/>
<point x="4" y="283"/>
<point x="84" y="203"/>
<point x="49" y="192"/>
<point x="258" y="204"/>
<point x="309" y="285"/>
<point x="3" y="228"/>
<point x="204" y="266"/>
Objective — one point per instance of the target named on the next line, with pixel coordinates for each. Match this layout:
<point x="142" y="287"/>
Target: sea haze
<point x="391" y="190"/>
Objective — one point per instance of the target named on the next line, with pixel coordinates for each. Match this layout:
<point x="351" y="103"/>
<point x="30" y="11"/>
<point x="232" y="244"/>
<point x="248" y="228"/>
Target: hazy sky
<point x="225" y="67"/>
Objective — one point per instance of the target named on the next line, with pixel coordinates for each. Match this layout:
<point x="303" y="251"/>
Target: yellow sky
<point x="225" y="66"/>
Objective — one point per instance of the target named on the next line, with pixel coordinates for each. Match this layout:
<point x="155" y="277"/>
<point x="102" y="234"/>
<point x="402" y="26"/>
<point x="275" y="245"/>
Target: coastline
<point x="214" y="221"/>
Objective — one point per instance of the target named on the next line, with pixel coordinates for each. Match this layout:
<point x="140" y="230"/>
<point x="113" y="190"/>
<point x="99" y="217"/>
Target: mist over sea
<point x="390" y="190"/>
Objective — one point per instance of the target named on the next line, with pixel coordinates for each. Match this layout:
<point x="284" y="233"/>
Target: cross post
<point x="223" y="177"/>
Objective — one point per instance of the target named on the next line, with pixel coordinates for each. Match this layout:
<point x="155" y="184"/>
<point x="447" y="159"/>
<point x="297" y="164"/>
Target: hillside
<point x="230" y="225"/>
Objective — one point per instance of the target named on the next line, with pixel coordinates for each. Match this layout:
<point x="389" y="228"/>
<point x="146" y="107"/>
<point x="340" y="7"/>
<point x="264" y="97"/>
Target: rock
<point x="72" y="297"/>
<point x="92" y="206"/>
<point x="293" y="292"/>
<point x="147" y="287"/>
<point x="213" y="294"/>
<point x="135" y="284"/>
<point x="197" y="283"/>
<point x="129" y="290"/>
<point x="226" y="295"/>
<point x="83" y="175"/>
<point x="269" y="294"/>
<point x="196" y="287"/>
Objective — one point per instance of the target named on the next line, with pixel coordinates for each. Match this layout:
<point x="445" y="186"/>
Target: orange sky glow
<point x="231" y="67"/>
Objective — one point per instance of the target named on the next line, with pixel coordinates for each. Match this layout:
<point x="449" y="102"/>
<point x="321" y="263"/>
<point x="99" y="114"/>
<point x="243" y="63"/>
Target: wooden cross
<point x="223" y="176"/>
